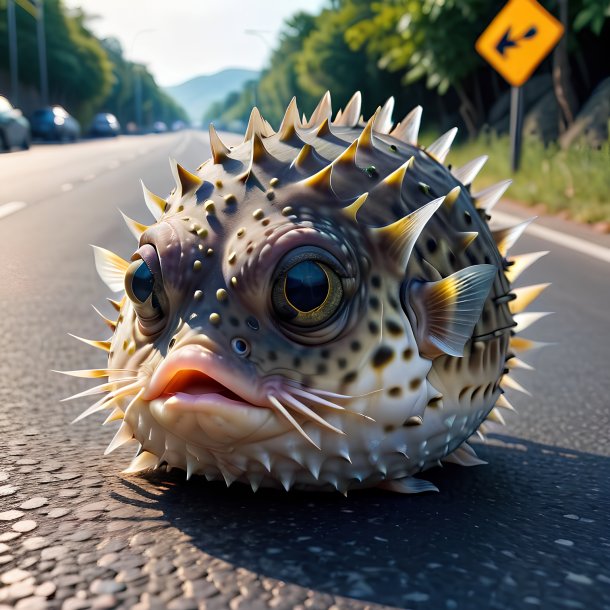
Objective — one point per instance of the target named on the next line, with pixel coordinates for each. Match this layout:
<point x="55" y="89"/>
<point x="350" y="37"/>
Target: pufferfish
<point x="321" y="307"/>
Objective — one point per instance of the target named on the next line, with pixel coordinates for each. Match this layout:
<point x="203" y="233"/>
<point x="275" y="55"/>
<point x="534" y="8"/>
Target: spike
<point x="256" y="125"/>
<point x="109" y="386"/>
<point x="116" y="415"/>
<point x="185" y="181"/>
<point x="338" y="116"/>
<point x="228" y="476"/>
<point x="468" y="172"/>
<point x="93" y="373"/>
<point x="299" y="407"/>
<point x="503" y="403"/>
<point x="466" y="238"/>
<point x="452" y="197"/>
<point x="268" y="129"/>
<point x="521" y="344"/>
<point x="154" y="203"/>
<point x="524" y="320"/>
<point x="347" y="159"/>
<point x="509" y="382"/>
<point x="320" y="181"/>
<point x="115" y="304"/>
<point x="464" y="456"/>
<point x="495" y="416"/>
<point x="408" y="129"/>
<point x="396" y="178"/>
<point x="517" y="363"/>
<point x="103" y="345"/>
<point x="303" y="120"/>
<point x="135" y="228"/>
<point x="220" y="151"/>
<point x="525" y="295"/>
<point x="255" y="479"/>
<point x="123" y="435"/>
<point x="286" y="480"/>
<point x="259" y="152"/>
<point x="351" y="210"/>
<point x="448" y="310"/>
<point x="505" y="238"/>
<point x="324" y="129"/>
<point x="488" y="198"/>
<point x="102" y="404"/>
<point x="143" y="461"/>
<point x="349" y="117"/>
<point x="365" y="139"/>
<point x="303" y="157"/>
<point x="323" y="111"/>
<point x="520" y="262"/>
<point x="440" y="148"/>
<point x="400" y="236"/>
<point x="109" y="323"/>
<point x="287" y="129"/>
<point x="191" y="465"/>
<point x="383" y="122"/>
<point x="408" y="485"/>
<point x="111" y="268"/>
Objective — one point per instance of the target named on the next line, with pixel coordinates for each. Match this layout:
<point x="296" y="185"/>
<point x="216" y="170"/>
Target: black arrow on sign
<point x="506" y="41"/>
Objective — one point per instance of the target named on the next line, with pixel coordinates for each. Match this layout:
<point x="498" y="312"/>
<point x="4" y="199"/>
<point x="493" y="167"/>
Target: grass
<point x="574" y="182"/>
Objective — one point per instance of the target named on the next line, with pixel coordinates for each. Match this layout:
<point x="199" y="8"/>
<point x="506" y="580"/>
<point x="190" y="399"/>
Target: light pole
<point x="137" y="77"/>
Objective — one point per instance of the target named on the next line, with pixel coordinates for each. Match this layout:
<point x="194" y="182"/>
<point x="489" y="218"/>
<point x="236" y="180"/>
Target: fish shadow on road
<point x="531" y="524"/>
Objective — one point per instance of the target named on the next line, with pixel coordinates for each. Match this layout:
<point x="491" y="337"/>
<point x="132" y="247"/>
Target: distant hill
<point x="197" y="94"/>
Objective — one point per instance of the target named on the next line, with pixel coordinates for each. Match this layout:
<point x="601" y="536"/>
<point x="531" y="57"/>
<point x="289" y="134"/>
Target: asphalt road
<point x="529" y="530"/>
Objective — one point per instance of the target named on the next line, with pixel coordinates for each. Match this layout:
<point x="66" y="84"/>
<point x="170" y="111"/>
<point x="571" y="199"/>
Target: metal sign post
<point x="521" y="35"/>
<point x="516" y="127"/>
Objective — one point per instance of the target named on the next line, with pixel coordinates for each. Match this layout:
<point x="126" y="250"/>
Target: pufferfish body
<point x="323" y="307"/>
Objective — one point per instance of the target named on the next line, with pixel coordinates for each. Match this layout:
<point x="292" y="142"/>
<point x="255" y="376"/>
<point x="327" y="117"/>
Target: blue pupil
<point x="240" y="346"/>
<point x="142" y="282"/>
<point x="306" y="286"/>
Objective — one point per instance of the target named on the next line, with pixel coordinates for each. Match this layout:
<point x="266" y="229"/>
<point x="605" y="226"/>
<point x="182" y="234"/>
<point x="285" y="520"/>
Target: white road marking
<point x="183" y="144"/>
<point x="557" y="237"/>
<point x="11" y="207"/>
<point x="68" y="186"/>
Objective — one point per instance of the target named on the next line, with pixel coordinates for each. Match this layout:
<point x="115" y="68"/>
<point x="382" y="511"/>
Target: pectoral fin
<point x="448" y="310"/>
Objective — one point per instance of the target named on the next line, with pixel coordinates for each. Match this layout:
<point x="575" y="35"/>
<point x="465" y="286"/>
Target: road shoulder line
<point x="11" y="207"/>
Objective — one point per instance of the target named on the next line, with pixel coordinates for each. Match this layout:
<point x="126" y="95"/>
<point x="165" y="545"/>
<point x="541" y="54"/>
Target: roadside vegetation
<point x="422" y="52"/>
<point x="86" y="75"/>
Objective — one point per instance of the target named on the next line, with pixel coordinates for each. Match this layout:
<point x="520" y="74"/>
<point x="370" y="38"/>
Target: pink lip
<point x="196" y="376"/>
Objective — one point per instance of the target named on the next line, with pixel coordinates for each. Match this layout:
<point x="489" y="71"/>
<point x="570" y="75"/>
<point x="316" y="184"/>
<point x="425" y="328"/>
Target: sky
<point x="180" y="39"/>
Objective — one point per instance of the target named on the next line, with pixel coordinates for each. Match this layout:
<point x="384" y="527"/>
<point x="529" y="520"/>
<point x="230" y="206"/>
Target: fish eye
<point x="144" y="289"/>
<point x="307" y="290"/>
<point x="240" y="346"/>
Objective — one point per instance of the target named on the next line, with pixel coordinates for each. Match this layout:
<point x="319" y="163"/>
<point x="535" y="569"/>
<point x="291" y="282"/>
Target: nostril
<point x="240" y="346"/>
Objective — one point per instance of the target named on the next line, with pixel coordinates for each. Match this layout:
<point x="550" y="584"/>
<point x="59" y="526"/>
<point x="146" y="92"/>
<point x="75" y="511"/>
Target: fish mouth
<point x="194" y="378"/>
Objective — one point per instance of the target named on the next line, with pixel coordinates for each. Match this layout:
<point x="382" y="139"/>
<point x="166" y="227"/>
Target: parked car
<point x="159" y="127"/>
<point x="105" y="124"/>
<point x="55" y="123"/>
<point x="178" y="125"/>
<point x="14" y="127"/>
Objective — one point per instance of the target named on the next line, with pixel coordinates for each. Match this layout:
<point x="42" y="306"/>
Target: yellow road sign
<point x="28" y="6"/>
<point x="518" y="39"/>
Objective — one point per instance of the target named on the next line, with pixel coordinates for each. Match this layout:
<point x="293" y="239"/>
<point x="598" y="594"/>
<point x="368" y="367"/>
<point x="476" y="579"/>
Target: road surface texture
<point x="529" y="530"/>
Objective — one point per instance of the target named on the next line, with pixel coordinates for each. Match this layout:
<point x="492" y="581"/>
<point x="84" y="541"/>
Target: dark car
<point x="105" y="124"/>
<point x="55" y="123"/>
<point x="14" y="127"/>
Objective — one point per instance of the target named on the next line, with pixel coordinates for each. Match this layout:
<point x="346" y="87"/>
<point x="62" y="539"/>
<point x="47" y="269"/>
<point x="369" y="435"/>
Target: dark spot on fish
<point x="272" y="355"/>
<point x="393" y="302"/>
<point x="382" y="356"/>
<point x="394" y="328"/>
<point x="296" y="361"/>
<point x="373" y="327"/>
<point x="376" y="281"/>
<point x="374" y="303"/>
<point x="349" y="377"/>
<point x="342" y="363"/>
<point x="325" y="353"/>
<point x="233" y="321"/>
<point x="389" y="428"/>
<point x="395" y="391"/>
<point x="407" y="354"/>
<point x="172" y="343"/>
<point x="415" y="383"/>
<point x="321" y="368"/>
<point x="355" y="346"/>
<point x="435" y="402"/>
